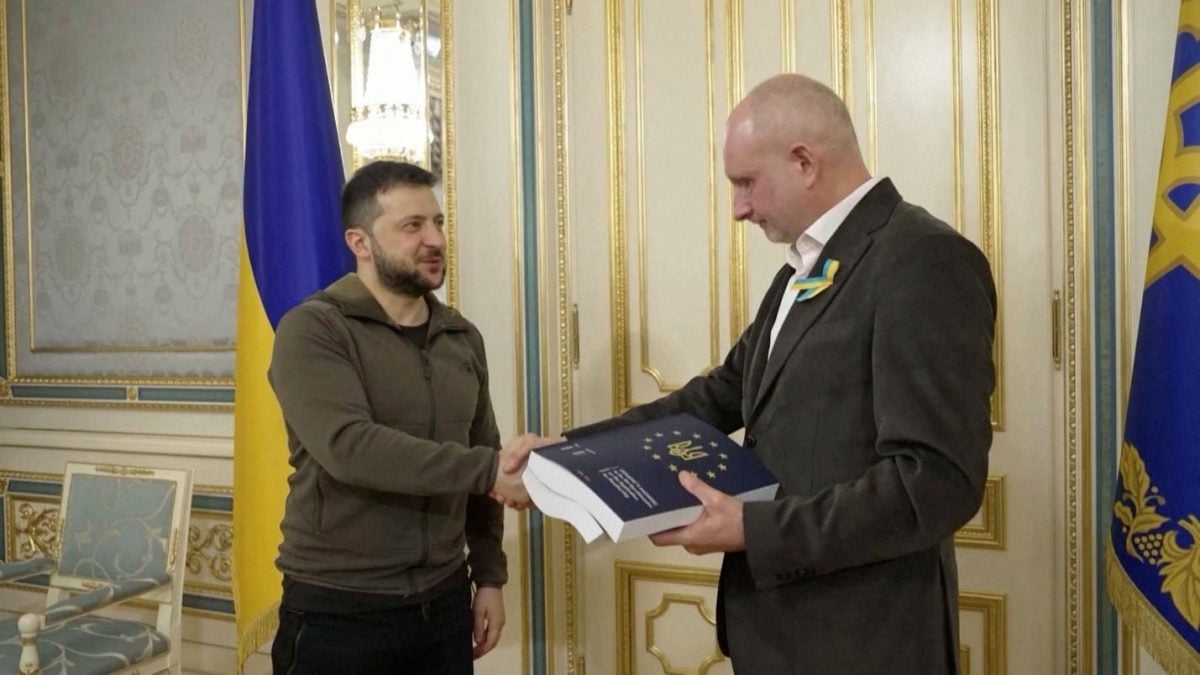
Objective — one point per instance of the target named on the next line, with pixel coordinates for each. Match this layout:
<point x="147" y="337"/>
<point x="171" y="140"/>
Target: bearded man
<point x="394" y="444"/>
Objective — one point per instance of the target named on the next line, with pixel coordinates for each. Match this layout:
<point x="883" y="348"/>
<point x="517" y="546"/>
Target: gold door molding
<point x="989" y="533"/>
<point x="628" y="574"/>
<point x="995" y="629"/>
<point x="1076" y="198"/>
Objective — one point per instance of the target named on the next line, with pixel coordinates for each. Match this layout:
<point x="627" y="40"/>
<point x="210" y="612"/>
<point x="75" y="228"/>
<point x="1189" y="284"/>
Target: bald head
<point x="791" y="155"/>
<point x="791" y="108"/>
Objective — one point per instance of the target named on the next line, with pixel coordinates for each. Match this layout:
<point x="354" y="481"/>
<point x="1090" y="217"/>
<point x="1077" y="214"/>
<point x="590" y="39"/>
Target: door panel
<point x="664" y="281"/>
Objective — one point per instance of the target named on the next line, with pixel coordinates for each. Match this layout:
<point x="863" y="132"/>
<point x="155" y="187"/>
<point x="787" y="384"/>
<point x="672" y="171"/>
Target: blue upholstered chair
<point x="122" y="536"/>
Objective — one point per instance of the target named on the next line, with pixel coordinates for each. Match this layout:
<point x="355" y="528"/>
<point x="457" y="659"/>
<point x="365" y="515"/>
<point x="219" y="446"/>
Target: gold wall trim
<point x="701" y="605"/>
<point x="565" y="327"/>
<point x="957" y="112"/>
<point x="120" y="381"/>
<point x="10" y="352"/>
<point x="526" y="620"/>
<point x="6" y="476"/>
<point x="1124" y="194"/>
<point x="964" y="660"/>
<point x="640" y="163"/>
<point x="515" y="165"/>
<point x="995" y="627"/>
<point x="628" y="573"/>
<point x="616" y="185"/>
<point x="1130" y="665"/>
<point x="872" y="95"/>
<point x="541" y="208"/>
<point x="787" y="35"/>
<point x="714" y="301"/>
<point x="125" y="405"/>
<point x="990" y="533"/>
<point x="739" y="273"/>
<point x="129" y="348"/>
<point x="1076" y="193"/>
<point x="843" y="66"/>
<point x="543" y="263"/>
<point x="449" y="154"/>
<point x="987" y="23"/>
<point x="28" y="183"/>
<point x="570" y="572"/>
<point x="562" y="213"/>
<point x="1129" y="644"/>
<point x="331" y="63"/>
<point x="221" y="490"/>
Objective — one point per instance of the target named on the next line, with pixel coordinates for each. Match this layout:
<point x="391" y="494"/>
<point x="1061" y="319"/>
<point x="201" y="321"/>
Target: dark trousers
<point x="432" y="637"/>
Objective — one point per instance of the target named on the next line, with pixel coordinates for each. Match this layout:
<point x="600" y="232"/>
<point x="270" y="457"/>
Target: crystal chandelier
<point x="387" y="118"/>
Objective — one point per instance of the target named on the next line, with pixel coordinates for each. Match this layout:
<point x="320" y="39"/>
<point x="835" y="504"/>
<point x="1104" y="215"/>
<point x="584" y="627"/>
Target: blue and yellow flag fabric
<point x="292" y="246"/>
<point x="1154" y="556"/>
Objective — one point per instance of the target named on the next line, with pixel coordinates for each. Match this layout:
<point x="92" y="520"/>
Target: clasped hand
<point x="509" y="489"/>
<point x="718" y="528"/>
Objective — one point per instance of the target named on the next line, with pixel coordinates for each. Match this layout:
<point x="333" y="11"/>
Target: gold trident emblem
<point x="686" y="451"/>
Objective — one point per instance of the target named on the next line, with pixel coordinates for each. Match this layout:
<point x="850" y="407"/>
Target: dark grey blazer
<point x="872" y="411"/>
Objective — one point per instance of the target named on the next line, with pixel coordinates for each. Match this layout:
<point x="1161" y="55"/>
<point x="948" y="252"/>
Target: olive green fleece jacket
<point x="394" y="447"/>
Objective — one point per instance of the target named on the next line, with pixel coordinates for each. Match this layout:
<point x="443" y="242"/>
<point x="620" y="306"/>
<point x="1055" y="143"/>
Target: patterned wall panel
<point x="29" y="508"/>
<point x="122" y="198"/>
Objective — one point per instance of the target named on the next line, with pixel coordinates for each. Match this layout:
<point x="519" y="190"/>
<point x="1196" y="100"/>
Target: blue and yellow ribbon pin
<point x="810" y="287"/>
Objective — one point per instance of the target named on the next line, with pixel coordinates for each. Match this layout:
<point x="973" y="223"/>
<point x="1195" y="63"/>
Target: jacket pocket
<point x="367" y="520"/>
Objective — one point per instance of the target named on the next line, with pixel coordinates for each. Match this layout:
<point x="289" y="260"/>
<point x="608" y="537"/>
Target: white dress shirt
<point x="804" y="253"/>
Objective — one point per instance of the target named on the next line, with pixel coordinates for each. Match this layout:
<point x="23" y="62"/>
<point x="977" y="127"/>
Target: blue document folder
<point x="625" y="481"/>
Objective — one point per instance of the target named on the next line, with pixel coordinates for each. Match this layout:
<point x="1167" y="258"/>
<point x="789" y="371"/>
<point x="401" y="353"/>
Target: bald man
<point x="863" y="385"/>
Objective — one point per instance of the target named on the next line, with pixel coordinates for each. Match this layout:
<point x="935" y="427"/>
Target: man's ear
<point x="356" y="241"/>
<point x="805" y="161"/>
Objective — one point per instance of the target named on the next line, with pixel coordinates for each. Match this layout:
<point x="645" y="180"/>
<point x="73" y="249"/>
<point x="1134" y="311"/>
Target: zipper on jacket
<point x="427" y="372"/>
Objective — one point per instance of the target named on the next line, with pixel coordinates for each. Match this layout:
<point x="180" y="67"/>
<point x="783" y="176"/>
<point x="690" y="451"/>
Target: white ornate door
<point x="961" y="102"/>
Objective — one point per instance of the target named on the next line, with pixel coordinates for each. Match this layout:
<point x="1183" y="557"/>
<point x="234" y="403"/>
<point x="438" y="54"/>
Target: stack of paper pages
<point x="624" y="482"/>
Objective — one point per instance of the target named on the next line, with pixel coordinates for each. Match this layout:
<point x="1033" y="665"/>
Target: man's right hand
<point x="509" y="489"/>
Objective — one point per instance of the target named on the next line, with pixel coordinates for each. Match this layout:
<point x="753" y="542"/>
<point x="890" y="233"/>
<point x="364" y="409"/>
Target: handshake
<point x="509" y="488"/>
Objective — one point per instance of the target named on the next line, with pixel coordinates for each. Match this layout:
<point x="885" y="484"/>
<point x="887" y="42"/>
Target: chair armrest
<point x="86" y="603"/>
<point x="12" y="571"/>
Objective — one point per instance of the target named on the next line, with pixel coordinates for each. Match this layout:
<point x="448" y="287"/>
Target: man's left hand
<point x="719" y="527"/>
<point x="488" y="609"/>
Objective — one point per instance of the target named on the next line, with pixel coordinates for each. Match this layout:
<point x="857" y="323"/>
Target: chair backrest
<point x="122" y="522"/>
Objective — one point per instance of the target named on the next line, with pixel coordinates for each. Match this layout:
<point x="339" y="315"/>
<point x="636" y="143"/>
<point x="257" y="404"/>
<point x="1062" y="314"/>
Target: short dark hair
<point x="360" y="207"/>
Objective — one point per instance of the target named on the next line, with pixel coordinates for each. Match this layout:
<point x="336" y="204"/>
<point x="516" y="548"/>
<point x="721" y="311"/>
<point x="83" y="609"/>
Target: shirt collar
<point x="803" y="254"/>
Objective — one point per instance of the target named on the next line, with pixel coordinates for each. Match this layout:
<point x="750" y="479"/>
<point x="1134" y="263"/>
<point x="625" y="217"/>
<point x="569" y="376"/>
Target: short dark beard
<point x="400" y="278"/>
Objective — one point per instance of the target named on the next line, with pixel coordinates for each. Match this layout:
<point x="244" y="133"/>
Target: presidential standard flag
<point x="292" y="246"/>
<point x="1154" y="553"/>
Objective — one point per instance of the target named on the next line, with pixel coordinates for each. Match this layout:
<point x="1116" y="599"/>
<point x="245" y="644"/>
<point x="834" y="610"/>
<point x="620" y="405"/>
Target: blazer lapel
<point x="765" y="321"/>
<point x="847" y="246"/>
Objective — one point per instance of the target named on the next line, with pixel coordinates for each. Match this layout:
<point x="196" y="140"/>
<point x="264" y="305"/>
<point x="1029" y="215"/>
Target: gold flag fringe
<point x="258" y="632"/>
<point x="1160" y="638"/>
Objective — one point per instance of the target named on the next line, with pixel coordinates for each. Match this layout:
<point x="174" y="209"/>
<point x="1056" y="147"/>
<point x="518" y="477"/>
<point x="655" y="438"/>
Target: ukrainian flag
<point x="1154" y="553"/>
<point x="292" y="246"/>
